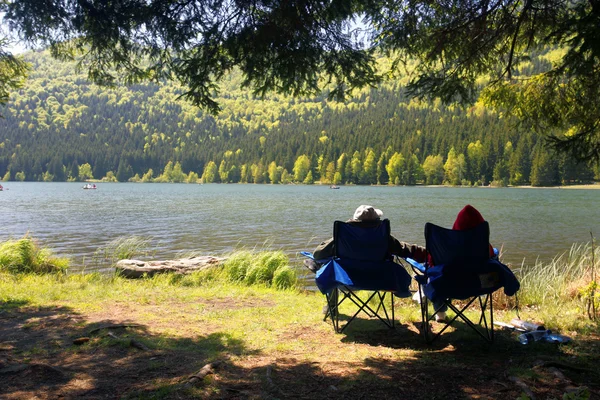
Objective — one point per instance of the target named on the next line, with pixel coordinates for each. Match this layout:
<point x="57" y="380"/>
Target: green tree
<point x="394" y="168"/>
<point x="329" y="173"/>
<point x="223" y="172"/>
<point x="501" y="174"/>
<point x="274" y="173"/>
<point x="382" y="175"/>
<point x="301" y="48"/>
<point x="147" y="177"/>
<point x="309" y="179"/>
<point x="337" y="178"/>
<point x="475" y="162"/>
<point x="544" y="169"/>
<point x="85" y="172"/>
<point x="285" y="177"/>
<point x="210" y="172"/>
<point x="57" y="170"/>
<point x="369" y="167"/>
<point x="13" y="71"/>
<point x="177" y="175"/>
<point x="20" y="176"/>
<point x="110" y="177"/>
<point x="341" y="167"/>
<point x="192" y="177"/>
<point x="454" y="168"/>
<point x="301" y="168"/>
<point x="124" y="171"/>
<point x="259" y="174"/>
<point x="413" y="171"/>
<point x="355" y="168"/>
<point x="433" y="167"/>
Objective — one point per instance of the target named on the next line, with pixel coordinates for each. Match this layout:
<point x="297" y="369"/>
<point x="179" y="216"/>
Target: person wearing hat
<point x="367" y="217"/>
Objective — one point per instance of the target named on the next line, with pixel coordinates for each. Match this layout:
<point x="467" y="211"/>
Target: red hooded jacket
<point x="468" y="218"/>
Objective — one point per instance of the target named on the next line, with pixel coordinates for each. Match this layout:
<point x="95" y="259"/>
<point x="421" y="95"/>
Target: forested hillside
<point x="60" y="127"/>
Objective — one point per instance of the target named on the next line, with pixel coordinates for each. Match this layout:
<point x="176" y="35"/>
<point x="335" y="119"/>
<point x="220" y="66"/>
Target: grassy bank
<point x="143" y="339"/>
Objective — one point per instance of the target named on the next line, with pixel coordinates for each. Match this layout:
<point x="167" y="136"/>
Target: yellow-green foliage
<point x="237" y="265"/>
<point x="24" y="255"/>
<point x="269" y="268"/>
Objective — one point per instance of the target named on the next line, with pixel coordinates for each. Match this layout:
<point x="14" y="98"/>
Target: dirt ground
<point x="55" y="353"/>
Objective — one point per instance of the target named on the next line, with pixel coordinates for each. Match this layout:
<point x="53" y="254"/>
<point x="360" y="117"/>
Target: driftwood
<point x="81" y="340"/>
<point x="132" y="342"/>
<point x="210" y="368"/>
<point x="113" y="327"/>
<point x="139" y="269"/>
<point x="138" y="345"/>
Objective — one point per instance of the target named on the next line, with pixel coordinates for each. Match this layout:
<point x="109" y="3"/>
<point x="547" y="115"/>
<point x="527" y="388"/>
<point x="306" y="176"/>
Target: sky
<point x="14" y="47"/>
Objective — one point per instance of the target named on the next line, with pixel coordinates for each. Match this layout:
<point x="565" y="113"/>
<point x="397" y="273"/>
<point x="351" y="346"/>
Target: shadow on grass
<point x="53" y="352"/>
<point x="119" y="359"/>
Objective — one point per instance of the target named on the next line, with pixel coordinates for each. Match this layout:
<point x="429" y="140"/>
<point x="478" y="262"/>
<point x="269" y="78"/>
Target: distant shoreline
<point x="584" y="186"/>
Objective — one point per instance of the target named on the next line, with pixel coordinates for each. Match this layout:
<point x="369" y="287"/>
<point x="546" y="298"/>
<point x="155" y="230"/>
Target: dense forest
<point x="60" y="127"/>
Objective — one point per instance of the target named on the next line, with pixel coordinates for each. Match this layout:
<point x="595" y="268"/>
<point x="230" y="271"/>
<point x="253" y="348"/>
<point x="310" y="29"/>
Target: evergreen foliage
<point x="60" y="127"/>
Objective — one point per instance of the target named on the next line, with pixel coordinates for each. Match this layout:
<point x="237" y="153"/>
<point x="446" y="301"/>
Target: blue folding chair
<point x="361" y="262"/>
<point x="462" y="270"/>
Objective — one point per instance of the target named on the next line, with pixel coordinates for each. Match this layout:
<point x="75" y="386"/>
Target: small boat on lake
<point x="334" y="187"/>
<point x="89" y="186"/>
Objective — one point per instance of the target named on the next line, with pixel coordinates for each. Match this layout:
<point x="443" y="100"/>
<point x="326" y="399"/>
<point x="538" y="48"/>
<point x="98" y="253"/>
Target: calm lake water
<point x="214" y="219"/>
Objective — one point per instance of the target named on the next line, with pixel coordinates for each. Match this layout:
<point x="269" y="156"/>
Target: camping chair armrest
<point x="312" y="257"/>
<point x="307" y="254"/>
<point x="416" y="266"/>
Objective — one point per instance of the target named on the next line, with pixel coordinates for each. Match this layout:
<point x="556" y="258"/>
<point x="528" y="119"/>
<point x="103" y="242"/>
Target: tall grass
<point x="26" y="256"/>
<point x="121" y="248"/>
<point x="560" y="280"/>
<point x="270" y="268"/>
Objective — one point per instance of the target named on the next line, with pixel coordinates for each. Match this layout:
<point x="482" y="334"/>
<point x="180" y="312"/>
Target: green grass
<point x="270" y="268"/>
<point x="26" y="256"/>
<point x="123" y="247"/>
<point x="553" y="292"/>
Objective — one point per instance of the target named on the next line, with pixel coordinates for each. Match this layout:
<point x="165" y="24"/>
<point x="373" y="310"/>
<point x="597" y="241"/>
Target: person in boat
<point x="368" y="217"/>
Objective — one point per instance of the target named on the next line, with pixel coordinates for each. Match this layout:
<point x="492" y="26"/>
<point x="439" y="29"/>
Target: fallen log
<point x="138" y="269"/>
<point x="113" y="327"/>
<point x="210" y="368"/>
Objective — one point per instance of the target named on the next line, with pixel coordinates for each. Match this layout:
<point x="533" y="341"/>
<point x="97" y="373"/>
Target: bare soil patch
<point x="39" y="360"/>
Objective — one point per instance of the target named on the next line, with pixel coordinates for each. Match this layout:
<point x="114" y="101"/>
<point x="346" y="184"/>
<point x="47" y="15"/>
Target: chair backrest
<point x="468" y="248"/>
<point x="363" y="243"/>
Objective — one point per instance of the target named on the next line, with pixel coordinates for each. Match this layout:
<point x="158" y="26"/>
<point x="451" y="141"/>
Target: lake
<point x="214" y="219"/>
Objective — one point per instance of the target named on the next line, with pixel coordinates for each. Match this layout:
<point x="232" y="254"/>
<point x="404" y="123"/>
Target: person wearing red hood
<point x="467" y="218"/>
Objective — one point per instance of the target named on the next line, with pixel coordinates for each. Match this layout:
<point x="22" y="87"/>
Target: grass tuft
<point x="270" y="268"/>
<point x="121" y="248"/>
<point x="26" y="256"/>
<point x="561" y="279"/>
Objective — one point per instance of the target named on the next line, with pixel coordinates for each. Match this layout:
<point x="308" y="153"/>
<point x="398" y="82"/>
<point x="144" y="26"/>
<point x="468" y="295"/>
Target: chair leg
<point x="484" y="327"/>
<point x="425" y="318"/>
<point x="334" y="301"/>
<point x="332" y="309"/>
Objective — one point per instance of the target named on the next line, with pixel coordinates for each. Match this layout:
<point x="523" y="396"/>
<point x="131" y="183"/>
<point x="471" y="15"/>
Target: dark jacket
<point x="396" y="247"/>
